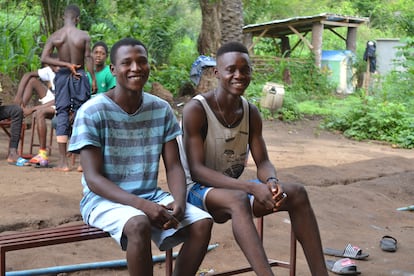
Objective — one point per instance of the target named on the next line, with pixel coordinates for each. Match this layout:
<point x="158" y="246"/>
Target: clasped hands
<point x="278" y="195"/>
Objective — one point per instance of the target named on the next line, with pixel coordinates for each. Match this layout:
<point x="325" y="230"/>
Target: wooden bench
<point x="82" y="232"/>
<point x="54" y="236"/>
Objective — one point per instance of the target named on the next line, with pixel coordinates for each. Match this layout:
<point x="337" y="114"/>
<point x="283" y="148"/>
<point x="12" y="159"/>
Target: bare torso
<point x="70" y="43"/>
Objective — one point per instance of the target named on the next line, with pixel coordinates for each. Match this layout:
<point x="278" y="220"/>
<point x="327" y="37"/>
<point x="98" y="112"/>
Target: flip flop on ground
<point x="350" y="251"/>
<point x="344" y="266"/>
<point x="21" y="162"/>
<point x="388" y="243"/>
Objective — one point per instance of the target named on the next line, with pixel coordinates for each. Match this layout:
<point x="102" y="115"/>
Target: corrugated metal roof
<point x="302" y="24"/>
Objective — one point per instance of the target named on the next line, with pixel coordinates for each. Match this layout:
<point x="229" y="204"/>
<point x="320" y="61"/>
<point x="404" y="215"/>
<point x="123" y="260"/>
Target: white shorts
<point x="111" y="217"/>
<point x="48" y="98"/>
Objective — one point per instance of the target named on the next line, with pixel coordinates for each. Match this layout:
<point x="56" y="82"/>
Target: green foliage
<point x="19" y="43"/>
<point x="170" y="29"/>
<point x="176" y="72"/>
<point x="371" y="119"/>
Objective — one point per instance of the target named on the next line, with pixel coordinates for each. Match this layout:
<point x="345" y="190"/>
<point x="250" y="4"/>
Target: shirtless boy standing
<point x="71" y="81"/>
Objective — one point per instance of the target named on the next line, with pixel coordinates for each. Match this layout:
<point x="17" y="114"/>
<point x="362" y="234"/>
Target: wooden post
<point x="317" y="31"/>
<point x="351" y="37"/>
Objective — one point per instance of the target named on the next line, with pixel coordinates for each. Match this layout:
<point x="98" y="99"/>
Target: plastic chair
<point x="5" y="125"/>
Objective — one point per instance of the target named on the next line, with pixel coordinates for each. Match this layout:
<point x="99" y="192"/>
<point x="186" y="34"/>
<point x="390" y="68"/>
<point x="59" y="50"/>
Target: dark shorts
<point x="71" y="93"/>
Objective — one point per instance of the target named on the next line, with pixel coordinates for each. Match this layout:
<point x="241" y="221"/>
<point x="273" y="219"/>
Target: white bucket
<point x="272" y="97"/>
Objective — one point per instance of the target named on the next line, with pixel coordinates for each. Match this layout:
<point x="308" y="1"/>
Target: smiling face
<point x="131" y="67"/>
<point x="234" y="71"/>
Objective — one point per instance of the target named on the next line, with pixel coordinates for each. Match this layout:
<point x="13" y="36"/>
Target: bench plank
<point x="46" y="237"/>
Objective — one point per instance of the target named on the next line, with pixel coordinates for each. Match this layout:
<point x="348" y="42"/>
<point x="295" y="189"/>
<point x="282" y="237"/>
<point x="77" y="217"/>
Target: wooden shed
<point x="301" y="26"/>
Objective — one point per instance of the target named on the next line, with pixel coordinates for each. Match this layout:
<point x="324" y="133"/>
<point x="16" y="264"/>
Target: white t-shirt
<point x="47" y="74"/>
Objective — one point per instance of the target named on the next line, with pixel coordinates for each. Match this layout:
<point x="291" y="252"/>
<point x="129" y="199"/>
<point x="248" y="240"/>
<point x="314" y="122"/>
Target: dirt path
<point x="355" y="188"/>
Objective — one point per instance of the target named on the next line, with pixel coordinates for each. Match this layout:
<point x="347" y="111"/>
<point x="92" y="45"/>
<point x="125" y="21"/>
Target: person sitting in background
<point x="35" y="81"/>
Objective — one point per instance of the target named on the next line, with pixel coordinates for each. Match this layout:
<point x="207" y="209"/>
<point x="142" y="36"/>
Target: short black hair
<point x="102" y="44"/>
<point x="125" y="42"/>
<point x="72" y="10"/>
<point x="232" y="47"/>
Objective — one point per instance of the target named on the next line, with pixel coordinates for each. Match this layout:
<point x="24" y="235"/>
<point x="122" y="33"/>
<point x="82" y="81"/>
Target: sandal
<point x="21" y="162"/>
<point x="350" y="251"/>
<point x="40" y="160"/>
<point x="344" y="266"/>
<point x="388" y="243"/>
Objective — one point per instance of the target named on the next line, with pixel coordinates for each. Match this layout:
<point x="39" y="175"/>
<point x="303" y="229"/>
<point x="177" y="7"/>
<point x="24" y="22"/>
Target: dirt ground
<point x="354" y="187"/>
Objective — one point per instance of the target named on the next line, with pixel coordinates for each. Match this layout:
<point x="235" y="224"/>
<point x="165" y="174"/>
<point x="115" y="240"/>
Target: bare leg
<point x="24" y="94"/>
<point x="194" y="248"/>
<point x="224" y="204"/>
<point x="304" y="226"/>
<point x="138" y="253"/>
<point x="63" y="162"/>
<point x="46" y="112"/>
<point x="41" y="116"/>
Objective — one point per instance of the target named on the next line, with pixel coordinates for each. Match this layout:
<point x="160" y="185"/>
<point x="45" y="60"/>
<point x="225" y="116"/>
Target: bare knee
<point x="202" y="228"/>
<point x="297" y="195"/>
<point x="137" y="229"/>
<point x="224" y="204"/>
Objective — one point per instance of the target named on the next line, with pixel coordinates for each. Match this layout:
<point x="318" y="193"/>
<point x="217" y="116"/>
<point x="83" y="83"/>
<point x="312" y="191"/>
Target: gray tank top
<point x="227" y="147"/>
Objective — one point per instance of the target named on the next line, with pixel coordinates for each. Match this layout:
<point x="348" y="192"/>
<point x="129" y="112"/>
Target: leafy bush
<point x="375" y="120"/>
<point x="20" y="44"/>
<point x="177" y="72"/>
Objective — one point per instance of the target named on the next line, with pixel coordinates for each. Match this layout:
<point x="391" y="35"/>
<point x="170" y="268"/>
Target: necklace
<point x="222" y="113"/>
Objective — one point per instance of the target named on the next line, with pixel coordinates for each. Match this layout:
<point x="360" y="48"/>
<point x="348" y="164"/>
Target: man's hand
<point x="277" y="193"/>
<point x="161" y="216"/>
<point x="173" y="222"/>
<point x="73" y="68"/>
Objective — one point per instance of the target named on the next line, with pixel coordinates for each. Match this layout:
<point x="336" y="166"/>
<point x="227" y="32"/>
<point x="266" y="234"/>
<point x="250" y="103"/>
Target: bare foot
<point x="63" y="165"/>
<point x="62" y="169"/>
<point x="13" y="156"/>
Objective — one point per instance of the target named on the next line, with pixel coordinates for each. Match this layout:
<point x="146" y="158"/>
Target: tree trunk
<point x="222" y="21"/>
<point x="52" y="12"/>
<point x="231" y="21"/>
<point x="210" y="35"/>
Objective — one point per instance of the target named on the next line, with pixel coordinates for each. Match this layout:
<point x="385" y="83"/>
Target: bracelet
<point x="272" y="178"/>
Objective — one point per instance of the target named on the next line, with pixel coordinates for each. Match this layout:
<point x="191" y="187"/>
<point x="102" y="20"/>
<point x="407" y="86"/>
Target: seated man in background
<point x="42" y="82"/>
